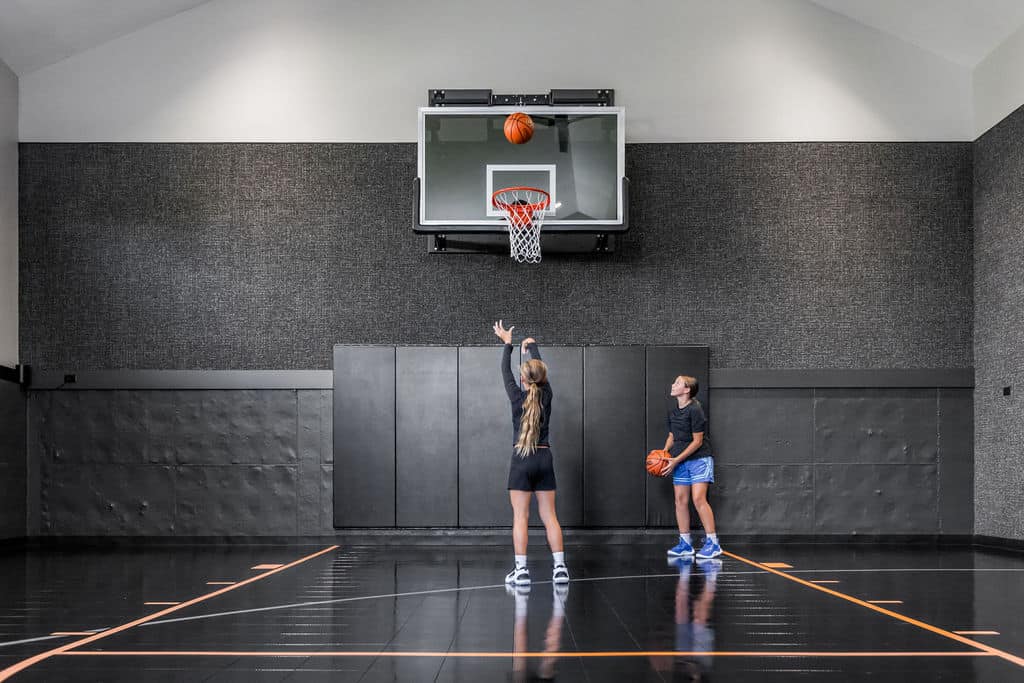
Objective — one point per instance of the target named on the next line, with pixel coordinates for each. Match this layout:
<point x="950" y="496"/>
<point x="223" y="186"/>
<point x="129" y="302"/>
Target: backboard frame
<point x="496" y="224"/>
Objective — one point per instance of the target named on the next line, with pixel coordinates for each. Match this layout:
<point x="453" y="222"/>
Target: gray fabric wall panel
<point x="998" y="319"/>
<point x="956" y="461"/>
<point x="662" y="364"/>
<point x="364" y="437"/>
<point x="764" y="426"/>
<point x="264" y="255"/>
<point x="876" y="426"/>
<point x="873" y="499"/>
<point x="13" y="461"/>
<point x="485" y="437"/>
<point x="614" y="432"/>
<point x="427" y="438"/>
<point x="565" y="371"/>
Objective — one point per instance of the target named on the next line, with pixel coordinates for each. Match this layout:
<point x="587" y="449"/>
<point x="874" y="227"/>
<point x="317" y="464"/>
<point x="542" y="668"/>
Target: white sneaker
<point x="560" y="574"/>
<point x="519" y="576"/>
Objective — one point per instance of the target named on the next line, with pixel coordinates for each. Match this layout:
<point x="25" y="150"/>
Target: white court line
<point x="501" y="585"/>
<point x="36" y="640"/>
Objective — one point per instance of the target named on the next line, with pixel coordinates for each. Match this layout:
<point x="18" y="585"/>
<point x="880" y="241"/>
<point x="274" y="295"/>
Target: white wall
<point x="322" y="70"/>
<point x="998" y="83"/>
<point x="8" y="216"/>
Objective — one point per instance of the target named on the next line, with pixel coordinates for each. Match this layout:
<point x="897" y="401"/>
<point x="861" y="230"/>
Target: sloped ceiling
<point x="961" y="31"/>
<point x="37" y="33"/>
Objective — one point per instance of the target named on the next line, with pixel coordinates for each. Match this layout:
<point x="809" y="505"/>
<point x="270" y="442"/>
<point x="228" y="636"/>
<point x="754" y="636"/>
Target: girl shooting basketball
<point x="692" y="467"/>
<point x="531" y="469"/>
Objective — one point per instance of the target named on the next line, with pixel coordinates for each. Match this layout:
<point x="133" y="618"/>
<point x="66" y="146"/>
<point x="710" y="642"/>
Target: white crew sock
<point x="714" y="538"/>
<point x="520" y="561"/>
<point x="687" y="538"/>
<point x="559" y="557"/>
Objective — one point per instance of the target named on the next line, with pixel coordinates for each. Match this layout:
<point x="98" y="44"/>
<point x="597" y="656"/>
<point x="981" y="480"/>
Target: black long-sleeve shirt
<point x="516" y="396"/>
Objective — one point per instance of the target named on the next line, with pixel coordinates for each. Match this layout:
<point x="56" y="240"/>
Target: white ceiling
<point x="37" y="33"/>
<point x="962" y="31"/>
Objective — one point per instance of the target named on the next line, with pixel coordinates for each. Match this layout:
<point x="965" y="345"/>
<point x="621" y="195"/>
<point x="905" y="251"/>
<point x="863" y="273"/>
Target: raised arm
<point x="511" y="388"/>
<point x="530" y="346"/>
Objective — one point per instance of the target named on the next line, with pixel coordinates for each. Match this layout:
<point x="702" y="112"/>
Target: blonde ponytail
<point x="535" y="373"/>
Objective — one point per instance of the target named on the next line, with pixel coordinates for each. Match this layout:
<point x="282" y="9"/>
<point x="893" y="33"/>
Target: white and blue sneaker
<point x="519" y="576"/>
<point x="682" y="549"/>
<point x="710" y="550"/>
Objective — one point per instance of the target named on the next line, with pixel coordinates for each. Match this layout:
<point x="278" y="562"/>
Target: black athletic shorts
<point x="535" y="472"/>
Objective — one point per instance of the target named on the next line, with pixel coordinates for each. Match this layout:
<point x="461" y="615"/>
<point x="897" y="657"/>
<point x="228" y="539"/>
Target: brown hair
<point x="534" y="373"/>
<point x="691" y="383"/>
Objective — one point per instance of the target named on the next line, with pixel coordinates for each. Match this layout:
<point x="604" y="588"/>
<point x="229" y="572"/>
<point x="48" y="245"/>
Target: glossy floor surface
<point x="759" y="613"/>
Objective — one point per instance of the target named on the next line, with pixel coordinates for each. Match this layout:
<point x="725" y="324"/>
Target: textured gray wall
<point x="12" y="461"/>
<point x="262" y="256"/>
<point x="999" y="319"/>
<point x="188" y="463"/>
<point x="182" y="463"/>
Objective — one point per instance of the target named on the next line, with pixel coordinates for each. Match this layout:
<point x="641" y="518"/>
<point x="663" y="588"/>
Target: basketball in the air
<point x="655" y="462"/>
<point x="518" y="128"/>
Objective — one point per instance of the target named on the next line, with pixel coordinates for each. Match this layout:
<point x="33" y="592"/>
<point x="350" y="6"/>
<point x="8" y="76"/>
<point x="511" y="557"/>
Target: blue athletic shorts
<point x="696" y="471"/>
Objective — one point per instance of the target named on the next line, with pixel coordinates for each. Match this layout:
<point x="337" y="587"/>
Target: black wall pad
<point x="427" y="437"/>
<point x="364" y="436"/>
<point x="613" y="429"/>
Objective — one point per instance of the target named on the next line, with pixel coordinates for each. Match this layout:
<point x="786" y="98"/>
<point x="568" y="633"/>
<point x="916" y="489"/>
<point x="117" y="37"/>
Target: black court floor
<point x="760" y="613"/>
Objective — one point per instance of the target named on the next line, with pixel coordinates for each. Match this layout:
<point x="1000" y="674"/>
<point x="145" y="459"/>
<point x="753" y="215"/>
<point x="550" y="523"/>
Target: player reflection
<point x="693" y="631"/>
<point x="552" y="636"/>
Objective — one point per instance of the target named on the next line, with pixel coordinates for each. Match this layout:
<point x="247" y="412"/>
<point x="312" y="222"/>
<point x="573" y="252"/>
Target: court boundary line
<point x="1012" y="658"/>
<point x="561" y="654"/>
<point x="31" y="661"/>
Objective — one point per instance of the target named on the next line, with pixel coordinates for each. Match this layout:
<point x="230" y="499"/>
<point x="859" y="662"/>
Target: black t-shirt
<point x="517" y="396"/>
<point x="684" y="423"/>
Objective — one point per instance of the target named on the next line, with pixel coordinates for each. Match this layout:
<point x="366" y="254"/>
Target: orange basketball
<point x="655" y="462"/>
<point x="518" y="128"/>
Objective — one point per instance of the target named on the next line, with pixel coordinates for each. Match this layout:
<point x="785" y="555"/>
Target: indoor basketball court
<point x="377" y="342"/>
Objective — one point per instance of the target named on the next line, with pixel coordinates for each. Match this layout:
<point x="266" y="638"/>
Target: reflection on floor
<point x="261" y="613"/>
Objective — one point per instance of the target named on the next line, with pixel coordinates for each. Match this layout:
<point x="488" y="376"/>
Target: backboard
<point x="576" y="154"/>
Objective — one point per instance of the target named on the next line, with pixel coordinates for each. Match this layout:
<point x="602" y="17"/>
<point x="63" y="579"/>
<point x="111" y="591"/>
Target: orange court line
<point x="26" y="663"/>
<point x="977" y="633"/>
<point x="776" y="565"/>
<point x="630" y="653"/>
<point x="881" y="610"/>
<point x="161" y="603"/>
<point x="267" y="566"/>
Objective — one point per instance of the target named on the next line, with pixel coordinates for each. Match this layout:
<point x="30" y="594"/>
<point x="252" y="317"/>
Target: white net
<point x="524" y="209"/>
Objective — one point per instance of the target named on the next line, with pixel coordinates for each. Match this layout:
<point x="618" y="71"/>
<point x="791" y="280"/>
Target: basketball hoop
<point x="524" y="209"/>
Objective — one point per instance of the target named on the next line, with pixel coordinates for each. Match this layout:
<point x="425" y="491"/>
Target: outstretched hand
<point x="527" y="342"/>
<point x="501" y="333"/>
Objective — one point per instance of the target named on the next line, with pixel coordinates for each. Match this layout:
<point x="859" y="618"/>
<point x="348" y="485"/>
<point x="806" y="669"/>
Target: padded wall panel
<point x="883" y="426"/>
<point x="13" y="461"/>
<point x="485" y="437"/>
<point x="875" y="499"/>
<point x="427" y="436"/>
<point x="364" y="436"/>
<point x="662" y="365"/>
<point x="956" y="461"/>
<point x="763" y="426"/>
<point x="613" y="431"/>
<point x="565" y="371"/>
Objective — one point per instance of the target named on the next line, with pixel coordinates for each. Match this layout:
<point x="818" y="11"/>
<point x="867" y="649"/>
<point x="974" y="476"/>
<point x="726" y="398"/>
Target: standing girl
<point x="531" y="470"/>
<point x="692" y="467"/>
